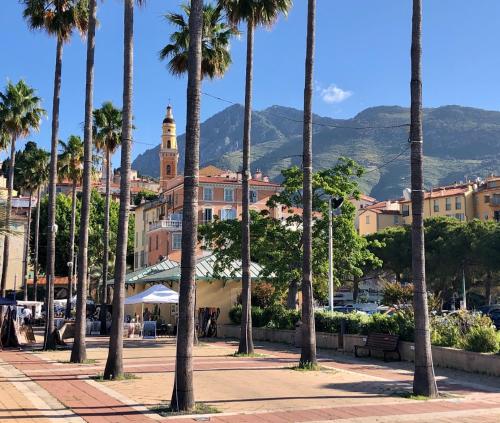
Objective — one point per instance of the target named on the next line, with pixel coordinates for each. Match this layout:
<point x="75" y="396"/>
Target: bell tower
<point x="169" y="154"/>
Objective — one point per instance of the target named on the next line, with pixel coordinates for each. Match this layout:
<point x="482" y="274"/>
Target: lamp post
<point x="334" y="204"/>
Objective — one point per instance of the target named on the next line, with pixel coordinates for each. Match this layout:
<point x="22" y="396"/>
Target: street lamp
<point x="334" y="209"/>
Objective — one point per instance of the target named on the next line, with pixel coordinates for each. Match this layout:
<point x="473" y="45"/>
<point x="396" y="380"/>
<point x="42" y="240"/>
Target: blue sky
<point x="362" y="60"/>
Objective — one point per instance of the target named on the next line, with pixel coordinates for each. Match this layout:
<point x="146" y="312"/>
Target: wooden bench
<point x="380" y="342"/>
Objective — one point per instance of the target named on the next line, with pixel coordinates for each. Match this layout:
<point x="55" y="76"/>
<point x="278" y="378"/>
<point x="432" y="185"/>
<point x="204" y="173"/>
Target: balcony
<point x="168" y="224"/>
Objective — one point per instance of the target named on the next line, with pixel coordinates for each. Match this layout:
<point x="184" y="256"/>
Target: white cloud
<point x="333" y="94"/>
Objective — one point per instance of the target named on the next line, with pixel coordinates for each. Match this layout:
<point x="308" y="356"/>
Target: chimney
<point x="258" y="175"/>
<point x="265" y="178"/>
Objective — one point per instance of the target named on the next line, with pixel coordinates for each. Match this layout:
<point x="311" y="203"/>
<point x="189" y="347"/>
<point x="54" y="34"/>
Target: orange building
<point x="158" y="224"/>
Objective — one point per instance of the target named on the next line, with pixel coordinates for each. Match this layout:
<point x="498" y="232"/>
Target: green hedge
<point x="470" y="331"/>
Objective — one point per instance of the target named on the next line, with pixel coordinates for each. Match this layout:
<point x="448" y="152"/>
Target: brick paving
<point x="38" y="387"/>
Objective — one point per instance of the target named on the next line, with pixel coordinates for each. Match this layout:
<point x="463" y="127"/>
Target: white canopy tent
<point x="157" y="294"/>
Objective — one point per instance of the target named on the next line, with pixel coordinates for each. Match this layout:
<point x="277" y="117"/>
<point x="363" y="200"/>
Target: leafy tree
<point x="59" y="19"/>
<point x="145" y="195"/>
<point x="20" y="113"/>
<point x="253" y="13"/>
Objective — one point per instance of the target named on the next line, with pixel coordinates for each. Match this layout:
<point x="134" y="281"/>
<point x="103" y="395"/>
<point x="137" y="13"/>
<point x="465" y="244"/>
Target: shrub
<point x="330" y="322"/>
<point x="279" y="317"/>
<point x="258" y="316"/>
<point x="263" y="295"/>
<point x="482" y="339"/>
<point x="445" y="332"/>
<point x="235" y="314"/>
<point x="397" y="294"/>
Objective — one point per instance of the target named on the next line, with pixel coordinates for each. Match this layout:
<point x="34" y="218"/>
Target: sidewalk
<point x="42" y="387"/>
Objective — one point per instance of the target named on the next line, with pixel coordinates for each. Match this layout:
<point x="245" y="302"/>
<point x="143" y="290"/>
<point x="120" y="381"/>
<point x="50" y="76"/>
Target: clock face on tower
<point x="169" y="154"/>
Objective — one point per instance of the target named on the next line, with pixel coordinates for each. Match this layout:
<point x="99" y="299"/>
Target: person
<point x="147" y="315"/>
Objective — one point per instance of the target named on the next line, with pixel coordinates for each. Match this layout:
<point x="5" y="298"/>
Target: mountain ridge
<point x="459" y="142"/>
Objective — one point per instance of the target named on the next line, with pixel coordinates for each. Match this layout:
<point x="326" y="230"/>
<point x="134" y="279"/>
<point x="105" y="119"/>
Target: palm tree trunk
<point x="246" y="339"/>
<point x="50" y="339"/>
<point x="308" y="352"/>
<point x="183" y="391"/>
<point x="79" y="350"/>
<point x="114" y="363"/>
<point x="27" y="249"/>
<point x="424" y="382"/>
<point x="71" y="250"/>
<point x="8" y="211"/>
<point x="105" y="259"/>
<point x="37" y="236"/>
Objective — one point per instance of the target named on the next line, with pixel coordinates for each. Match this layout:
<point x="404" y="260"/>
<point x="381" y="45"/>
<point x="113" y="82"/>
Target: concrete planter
<point x="443" y="357"/>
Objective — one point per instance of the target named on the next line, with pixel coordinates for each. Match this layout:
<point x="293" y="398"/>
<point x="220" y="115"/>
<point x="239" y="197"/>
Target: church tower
<point x="169" y="154"/>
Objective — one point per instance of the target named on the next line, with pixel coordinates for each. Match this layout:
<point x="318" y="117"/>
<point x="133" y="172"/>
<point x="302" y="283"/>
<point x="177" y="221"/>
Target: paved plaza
<point x="44" y="387"/>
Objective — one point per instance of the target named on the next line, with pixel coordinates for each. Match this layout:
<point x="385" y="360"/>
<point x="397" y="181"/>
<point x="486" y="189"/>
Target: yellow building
<point x="448" y="201"/>
<point x="379" y="216"/>
<point x="487" y="199"/>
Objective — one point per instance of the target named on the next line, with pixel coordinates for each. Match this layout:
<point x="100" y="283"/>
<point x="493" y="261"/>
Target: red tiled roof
<point x="58" y="280"/>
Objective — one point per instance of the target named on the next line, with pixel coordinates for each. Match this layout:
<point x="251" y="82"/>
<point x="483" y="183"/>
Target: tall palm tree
<point x="60" y="19"/>
<point x="209" y="48"/>
<point x="253" y="12"/>
<point x="183" y="391"/>
<point x="40" y="173"/>
<point x="215" y="42"/>
<point x="308" y="351"/>
<point x="71" y="168"/>
<point x="424" y="382"/>
<point x="79" y="350"/>
<point x="20" y="113"/>
<point x="108" y="122"/>
<point x="114" y="362"/>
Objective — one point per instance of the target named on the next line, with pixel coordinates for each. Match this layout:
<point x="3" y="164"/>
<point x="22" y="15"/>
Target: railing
<point x="165" y="224"/>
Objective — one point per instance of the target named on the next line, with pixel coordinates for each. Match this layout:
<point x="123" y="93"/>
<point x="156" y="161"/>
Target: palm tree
<point x="183" y="392"/>
<point x="424" y="382"/>
<point x="40" y="174"/>
<point x="308" y="351"/>
<point x="114" y="363"/>
<point x="107" y="138"/>
<point x="79" y="350"/>
<point x="58" y="18"/>
<point x="215" y="42"/>
<point x="70" y="168"/>
<point x="253" y="12"/>
<point x="20" y="113"/>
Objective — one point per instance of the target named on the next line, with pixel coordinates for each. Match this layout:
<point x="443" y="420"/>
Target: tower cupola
<point x="169" y="154"/>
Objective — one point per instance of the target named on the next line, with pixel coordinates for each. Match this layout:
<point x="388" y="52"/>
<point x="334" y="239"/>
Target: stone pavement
<point x="43" y="387"/>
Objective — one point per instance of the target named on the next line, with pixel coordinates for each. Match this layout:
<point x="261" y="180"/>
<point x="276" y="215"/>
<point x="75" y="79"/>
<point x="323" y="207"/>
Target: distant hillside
<point x="459" y="142"/>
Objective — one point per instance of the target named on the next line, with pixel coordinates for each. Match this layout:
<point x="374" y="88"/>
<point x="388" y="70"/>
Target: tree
<point x="70" y="168"/>
<point x="31" y="169"/>
<point x="58" y="19"/>
<point x="108" y="122"/>
<point x="215" y="42"/>
<point x="114" y="362"/>
<point x="79" y="351"/>
<point x="253" y="12"/>
<point x="424" y="382"/>
<point x="183" y="390"/>
<point x="308" y="351"/>
<point x="20" y="113"/>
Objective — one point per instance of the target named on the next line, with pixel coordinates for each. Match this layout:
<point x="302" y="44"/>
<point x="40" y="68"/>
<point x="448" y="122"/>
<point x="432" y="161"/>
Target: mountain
<point x="459" y="142"/>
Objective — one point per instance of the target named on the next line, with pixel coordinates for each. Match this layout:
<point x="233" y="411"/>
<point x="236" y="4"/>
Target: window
<point x="460" y="216"/>
<point x="496" y="216"/>
<point x="208" y="194"/>
<point x="169" y="144"/>
<point x="436" y="205"/>
<point x="367" y="220"/>
<point x="207" y="215"/>
<point x="169" y="169"/>
<point x="176" y="241"/>
<point x="150" y="244"/>
<point x="486" y="199"/>
<point x="448" y="203"/>
<point x="253" y="196"/>
<point x="396" y="219"/>
<point x="156" y="241"/>
<point x="458" y="203"/>
<point x="228" y="194"/>
<point x="228" y="214"/>
<point x="406" y="210"/>
<point x="486" y="216"/>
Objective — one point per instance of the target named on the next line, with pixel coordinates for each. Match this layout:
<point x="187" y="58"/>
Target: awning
<point x="157" y="294"/>
<point x="205" y="271"/>
<point x="136" y="276"/>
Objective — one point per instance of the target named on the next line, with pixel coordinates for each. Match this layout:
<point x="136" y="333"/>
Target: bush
<point x="258" y="316"/>
<point x="279" y="317"/>
<point x="445" y="332"/>
<point x="330" y="322"/>
<point x="483" y="339"/>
